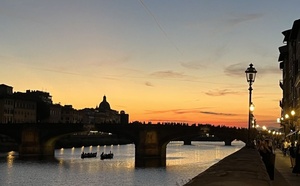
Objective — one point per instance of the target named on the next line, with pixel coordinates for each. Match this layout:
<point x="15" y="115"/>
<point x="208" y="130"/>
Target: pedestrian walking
<point x="292" y="152"/>
<point x="296" y="168"/>
<point x="268" y="157"/>
<point x="286" y="145"/>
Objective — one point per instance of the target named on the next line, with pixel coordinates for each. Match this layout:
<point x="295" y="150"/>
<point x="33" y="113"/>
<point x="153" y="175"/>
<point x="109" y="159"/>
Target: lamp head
<point x="250" y="73"/>
<point x="286" y="116"/>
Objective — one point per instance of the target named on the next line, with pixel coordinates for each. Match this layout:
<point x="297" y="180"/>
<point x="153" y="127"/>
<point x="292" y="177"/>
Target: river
<point x="183" y="163"/>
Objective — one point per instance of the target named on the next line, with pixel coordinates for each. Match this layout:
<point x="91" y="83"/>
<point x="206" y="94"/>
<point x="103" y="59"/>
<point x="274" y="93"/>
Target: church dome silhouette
<point x="104" y="105"/>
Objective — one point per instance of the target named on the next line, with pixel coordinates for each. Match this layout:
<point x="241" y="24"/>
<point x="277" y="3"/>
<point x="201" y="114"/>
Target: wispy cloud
<point x="236" y="69"/>
<point x="237" y="19"/>
<point x="269" y="70"/>
<point x="192" y="65"/>
<point x="240" y="68"/>
<point x="108" y="77"/>
<point x="189" y="111"/>
<point x="218" y="113"/>
<point x="149" y="84"/>
<point x="170" y="120"/>
<point x="58" y="71"/>
<point x="168" y="74"/>
<point x="111" y="60"/>
<point x="174" y="111"/>
<point x="222" y="92"/>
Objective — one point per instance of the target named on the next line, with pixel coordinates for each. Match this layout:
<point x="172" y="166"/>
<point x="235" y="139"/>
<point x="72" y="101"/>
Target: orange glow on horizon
<point x="190" y="70"/>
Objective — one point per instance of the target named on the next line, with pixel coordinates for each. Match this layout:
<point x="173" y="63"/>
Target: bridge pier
<point x="187" y="142"/>
<point x="30" y="143"/>
<point x="149" y="152"/>
<point x="228" y="142"/>
<point x="48" y="150"/>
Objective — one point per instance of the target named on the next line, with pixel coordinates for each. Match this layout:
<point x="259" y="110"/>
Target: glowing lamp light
<point x="286" y="116"/>
<point x="252" y="107"/>
<point x="278" y="120"/>
<point x="293" y="112"/>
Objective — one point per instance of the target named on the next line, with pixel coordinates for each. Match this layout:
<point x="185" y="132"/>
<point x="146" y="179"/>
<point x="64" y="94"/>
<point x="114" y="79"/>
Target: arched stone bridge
<point x="150" y="139"/>
<point x="37" y="139"/>
<point x="222" y="133"/>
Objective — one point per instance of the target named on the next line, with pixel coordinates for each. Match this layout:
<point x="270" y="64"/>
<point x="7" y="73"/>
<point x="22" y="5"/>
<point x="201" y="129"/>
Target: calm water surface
<point x="183" y="163"/>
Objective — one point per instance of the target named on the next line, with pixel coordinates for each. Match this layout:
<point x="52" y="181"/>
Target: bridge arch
<point x="38" y="139"/>
<point x="150" y="140"/>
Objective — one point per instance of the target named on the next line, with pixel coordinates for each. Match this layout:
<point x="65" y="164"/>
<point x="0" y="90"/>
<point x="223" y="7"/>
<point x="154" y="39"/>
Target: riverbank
<point x="243" y="167"/>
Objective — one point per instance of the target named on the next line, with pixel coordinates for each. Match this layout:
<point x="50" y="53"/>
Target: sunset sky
<point x="159" y="60"/>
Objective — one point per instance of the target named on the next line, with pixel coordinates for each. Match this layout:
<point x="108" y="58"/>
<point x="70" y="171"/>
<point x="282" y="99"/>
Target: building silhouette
<point x="289" y="63"/>
<point x="16" y="107"/>
<point x="37" y="107"/>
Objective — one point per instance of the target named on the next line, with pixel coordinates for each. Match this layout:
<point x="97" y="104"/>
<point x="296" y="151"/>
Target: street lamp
<point x="294" y="126"/>
<point x="264" y="127"/>
<point x="282" y="124"/>
<point x="293" y="114"/>
<point x="250" y="75"/>
<point x="286" y="116"/>
<point x="287" y="122"/>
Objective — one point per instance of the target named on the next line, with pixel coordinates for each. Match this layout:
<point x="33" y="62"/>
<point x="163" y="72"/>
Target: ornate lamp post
<point x="250" y="75"/>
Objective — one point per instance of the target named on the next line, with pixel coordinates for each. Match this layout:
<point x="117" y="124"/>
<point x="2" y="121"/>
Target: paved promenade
<point x="246" y="168"/>
<point x="283" y="171"/>
<point x="242" y="168"/>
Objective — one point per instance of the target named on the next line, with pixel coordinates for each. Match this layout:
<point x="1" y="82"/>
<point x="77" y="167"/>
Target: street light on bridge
<point x="250" y="75"/>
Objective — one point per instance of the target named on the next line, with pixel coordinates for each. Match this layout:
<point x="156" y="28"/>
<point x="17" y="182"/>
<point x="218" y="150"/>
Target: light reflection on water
<point x="183" y="163"/>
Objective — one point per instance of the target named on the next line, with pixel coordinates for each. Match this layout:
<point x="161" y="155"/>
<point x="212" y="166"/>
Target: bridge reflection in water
<point x="182" y="161"/>
<point x="150" y="139"/>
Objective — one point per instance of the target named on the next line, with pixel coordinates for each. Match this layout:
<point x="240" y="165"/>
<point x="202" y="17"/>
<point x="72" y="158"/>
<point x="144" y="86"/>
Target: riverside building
<point x="289" y="64"/>
<point x="37" y="107"/>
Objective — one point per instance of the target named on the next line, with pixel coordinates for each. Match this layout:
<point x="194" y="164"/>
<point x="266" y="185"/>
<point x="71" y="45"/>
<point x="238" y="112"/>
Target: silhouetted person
<point x="265" y="150"/>
<point x="292" y="152"/>
<point x="296" y="168"/>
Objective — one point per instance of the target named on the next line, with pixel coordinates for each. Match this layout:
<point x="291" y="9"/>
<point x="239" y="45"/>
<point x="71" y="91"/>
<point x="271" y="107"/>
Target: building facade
<point x="289" y="63"/>
<point x="16" y="108"/>
<point x="37" y="107"/>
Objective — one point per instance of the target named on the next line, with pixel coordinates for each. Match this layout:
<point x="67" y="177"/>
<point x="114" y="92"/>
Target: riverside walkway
<point x="246" y="168"/>
<point x="283" y="172"/>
